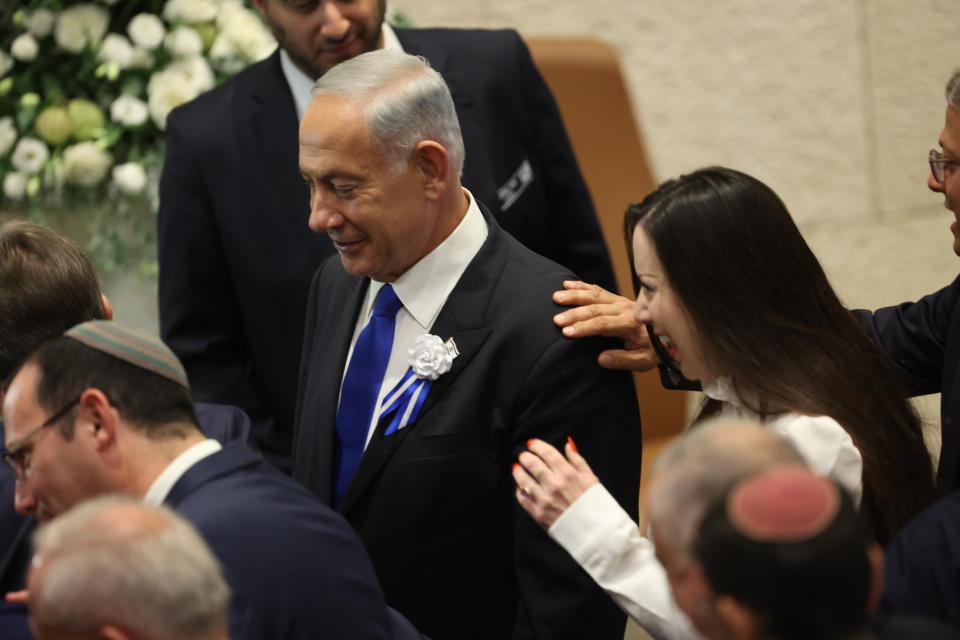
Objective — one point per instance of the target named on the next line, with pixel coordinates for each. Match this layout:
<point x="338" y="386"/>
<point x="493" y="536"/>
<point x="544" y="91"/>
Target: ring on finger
<point x="525" y="492"/>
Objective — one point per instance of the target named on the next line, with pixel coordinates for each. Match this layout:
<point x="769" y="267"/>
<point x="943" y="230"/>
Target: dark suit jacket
<point x="295" y="567"/>
<point x="923" y="339"/>
<point x="224" y="424"/>
<point x="236" y="255"/>
<point x="922" y="570"/>
<point x="434" y="503"/>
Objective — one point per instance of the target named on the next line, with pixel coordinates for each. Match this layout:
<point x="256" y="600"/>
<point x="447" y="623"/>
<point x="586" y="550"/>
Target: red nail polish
<point x="529" y="442"/>
<point x="516" y="465"/>
<point x="573" y="445"/>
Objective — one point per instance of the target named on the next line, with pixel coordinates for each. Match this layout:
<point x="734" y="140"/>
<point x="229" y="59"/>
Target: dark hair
<point x="47" y="285"/>
<point x="769" y="321"/>
<point x="813" y="588"/>
<point x="145" y="399"/>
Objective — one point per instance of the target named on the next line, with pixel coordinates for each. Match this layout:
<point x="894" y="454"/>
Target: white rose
<point x="29" y="155"/>
<point x="130" y="178"/>
<point x="146" y="31"/>
<point x="8" y="135"/>
<point x="85" y="164"/>
<point x="81" y="25"/>
<point x="116" y="48"/>
<point x="15" y="185"/>
<point x="6" y="63"/>
<point x="194" y="71"/>
<point x="190" y="11"/>
<point x="166" y="91"/>
<point x="184" y="42"/>
<point x="129" y="111"/>
<point x="429" y="357"/>
<point x="245" y="31"/>
<point x="40" y="22"/>
<point x="24" y="47"/>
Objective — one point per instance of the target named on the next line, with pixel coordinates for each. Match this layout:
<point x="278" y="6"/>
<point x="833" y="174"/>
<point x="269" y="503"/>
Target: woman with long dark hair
<point x="737" y="301"/>
<point x="771" y="333"/>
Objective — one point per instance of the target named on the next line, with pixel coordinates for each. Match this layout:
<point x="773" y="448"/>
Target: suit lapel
<point x="462" y="318"/>
<point x="316" y="443"/>
<point x="274" y="143"/>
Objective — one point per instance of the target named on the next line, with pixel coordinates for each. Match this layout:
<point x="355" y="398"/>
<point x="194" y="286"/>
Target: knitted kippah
<point x="136" y="347"/>
<point x="785" y="505"/>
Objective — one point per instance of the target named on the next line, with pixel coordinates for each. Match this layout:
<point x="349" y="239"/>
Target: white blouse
<point x="607" y="543"/>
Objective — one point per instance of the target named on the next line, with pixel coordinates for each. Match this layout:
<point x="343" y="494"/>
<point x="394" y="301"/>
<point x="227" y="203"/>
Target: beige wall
<point x="833" y="103"/>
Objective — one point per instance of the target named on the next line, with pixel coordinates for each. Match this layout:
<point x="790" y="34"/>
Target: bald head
<point x="116" y="563"/>
<point x="700" y="467"/>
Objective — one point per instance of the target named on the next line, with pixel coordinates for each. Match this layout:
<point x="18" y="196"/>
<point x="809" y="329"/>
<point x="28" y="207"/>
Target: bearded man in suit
<point x="430" y="359"/>
<point x="236" y="255"/>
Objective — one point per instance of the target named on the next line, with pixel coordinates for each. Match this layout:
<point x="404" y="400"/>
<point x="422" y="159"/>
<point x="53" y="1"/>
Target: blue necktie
<point x="361" y="385"/>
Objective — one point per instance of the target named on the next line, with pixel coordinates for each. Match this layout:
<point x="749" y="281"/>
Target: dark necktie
<point x="361" y="385"/>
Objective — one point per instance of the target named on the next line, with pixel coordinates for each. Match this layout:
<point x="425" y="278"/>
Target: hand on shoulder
<point x="598" y="312"/>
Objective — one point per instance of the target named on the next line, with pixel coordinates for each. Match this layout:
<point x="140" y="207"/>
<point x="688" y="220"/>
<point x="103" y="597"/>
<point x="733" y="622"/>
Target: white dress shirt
<point x="423" y="290"/>
<point x="301" y="85"/>
<point x="158" y="491"/>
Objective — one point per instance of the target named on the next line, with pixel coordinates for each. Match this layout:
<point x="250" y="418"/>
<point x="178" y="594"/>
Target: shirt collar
<point x="158" y="491"/>
<point x="301" y="85"/>
<point x="425" y="286"/>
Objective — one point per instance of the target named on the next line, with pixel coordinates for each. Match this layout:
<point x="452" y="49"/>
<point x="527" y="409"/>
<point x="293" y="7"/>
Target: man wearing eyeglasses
<point x="923" y="337"/>
<point x="105" y="409"/>
<point x="47" y="285"/>
<point x="922" y="569"/>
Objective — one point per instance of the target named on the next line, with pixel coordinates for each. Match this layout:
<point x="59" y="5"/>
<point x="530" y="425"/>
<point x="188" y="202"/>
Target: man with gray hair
<point x="236" y="256"/>
<point x="436" y="364"/>
<point x="923" y="337"/>
<point x="689" y="477"/>
<point x="116" y="568"/>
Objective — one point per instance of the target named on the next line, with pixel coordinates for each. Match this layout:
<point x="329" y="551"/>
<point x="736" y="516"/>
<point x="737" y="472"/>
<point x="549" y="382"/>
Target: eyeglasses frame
<point x="11" y="455"/>
<point x="938" y="164"/>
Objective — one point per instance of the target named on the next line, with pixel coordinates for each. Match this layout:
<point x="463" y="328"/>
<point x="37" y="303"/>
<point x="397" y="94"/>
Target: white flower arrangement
<point x="430" y="357"/>
<point x="85" y="91"/>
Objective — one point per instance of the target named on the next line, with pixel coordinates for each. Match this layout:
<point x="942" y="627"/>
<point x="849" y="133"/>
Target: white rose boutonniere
<point x="430" y="356"/>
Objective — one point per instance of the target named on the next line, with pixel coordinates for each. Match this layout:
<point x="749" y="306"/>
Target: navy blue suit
<point x="434" y="502"/>
<point x="222" y="423"/>
<point x="296" y="568"/>
<point x="236" y="255"/>
<point x="922" y="570"/>
<point x="923" y="339"/>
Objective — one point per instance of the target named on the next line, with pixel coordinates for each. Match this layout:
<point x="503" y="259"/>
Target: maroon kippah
<point x="785" y="505"/>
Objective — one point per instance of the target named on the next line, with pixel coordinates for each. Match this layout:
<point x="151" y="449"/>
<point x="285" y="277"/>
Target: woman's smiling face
<point x="659" y="305"/>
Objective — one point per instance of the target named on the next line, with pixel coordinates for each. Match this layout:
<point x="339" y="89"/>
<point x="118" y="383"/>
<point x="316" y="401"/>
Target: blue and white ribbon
<point x="405" y="401"/>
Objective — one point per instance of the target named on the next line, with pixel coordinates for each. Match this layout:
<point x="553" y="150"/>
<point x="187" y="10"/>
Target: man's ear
<point x="434" y="165"/>
<point x="737" y="619"/>
<point x="107" y="307"/>
<point x="96" y="410"/>
<point x="875" y="558"/>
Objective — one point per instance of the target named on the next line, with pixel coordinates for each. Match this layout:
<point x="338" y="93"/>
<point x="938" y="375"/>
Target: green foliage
<point x="67" y="147"/>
